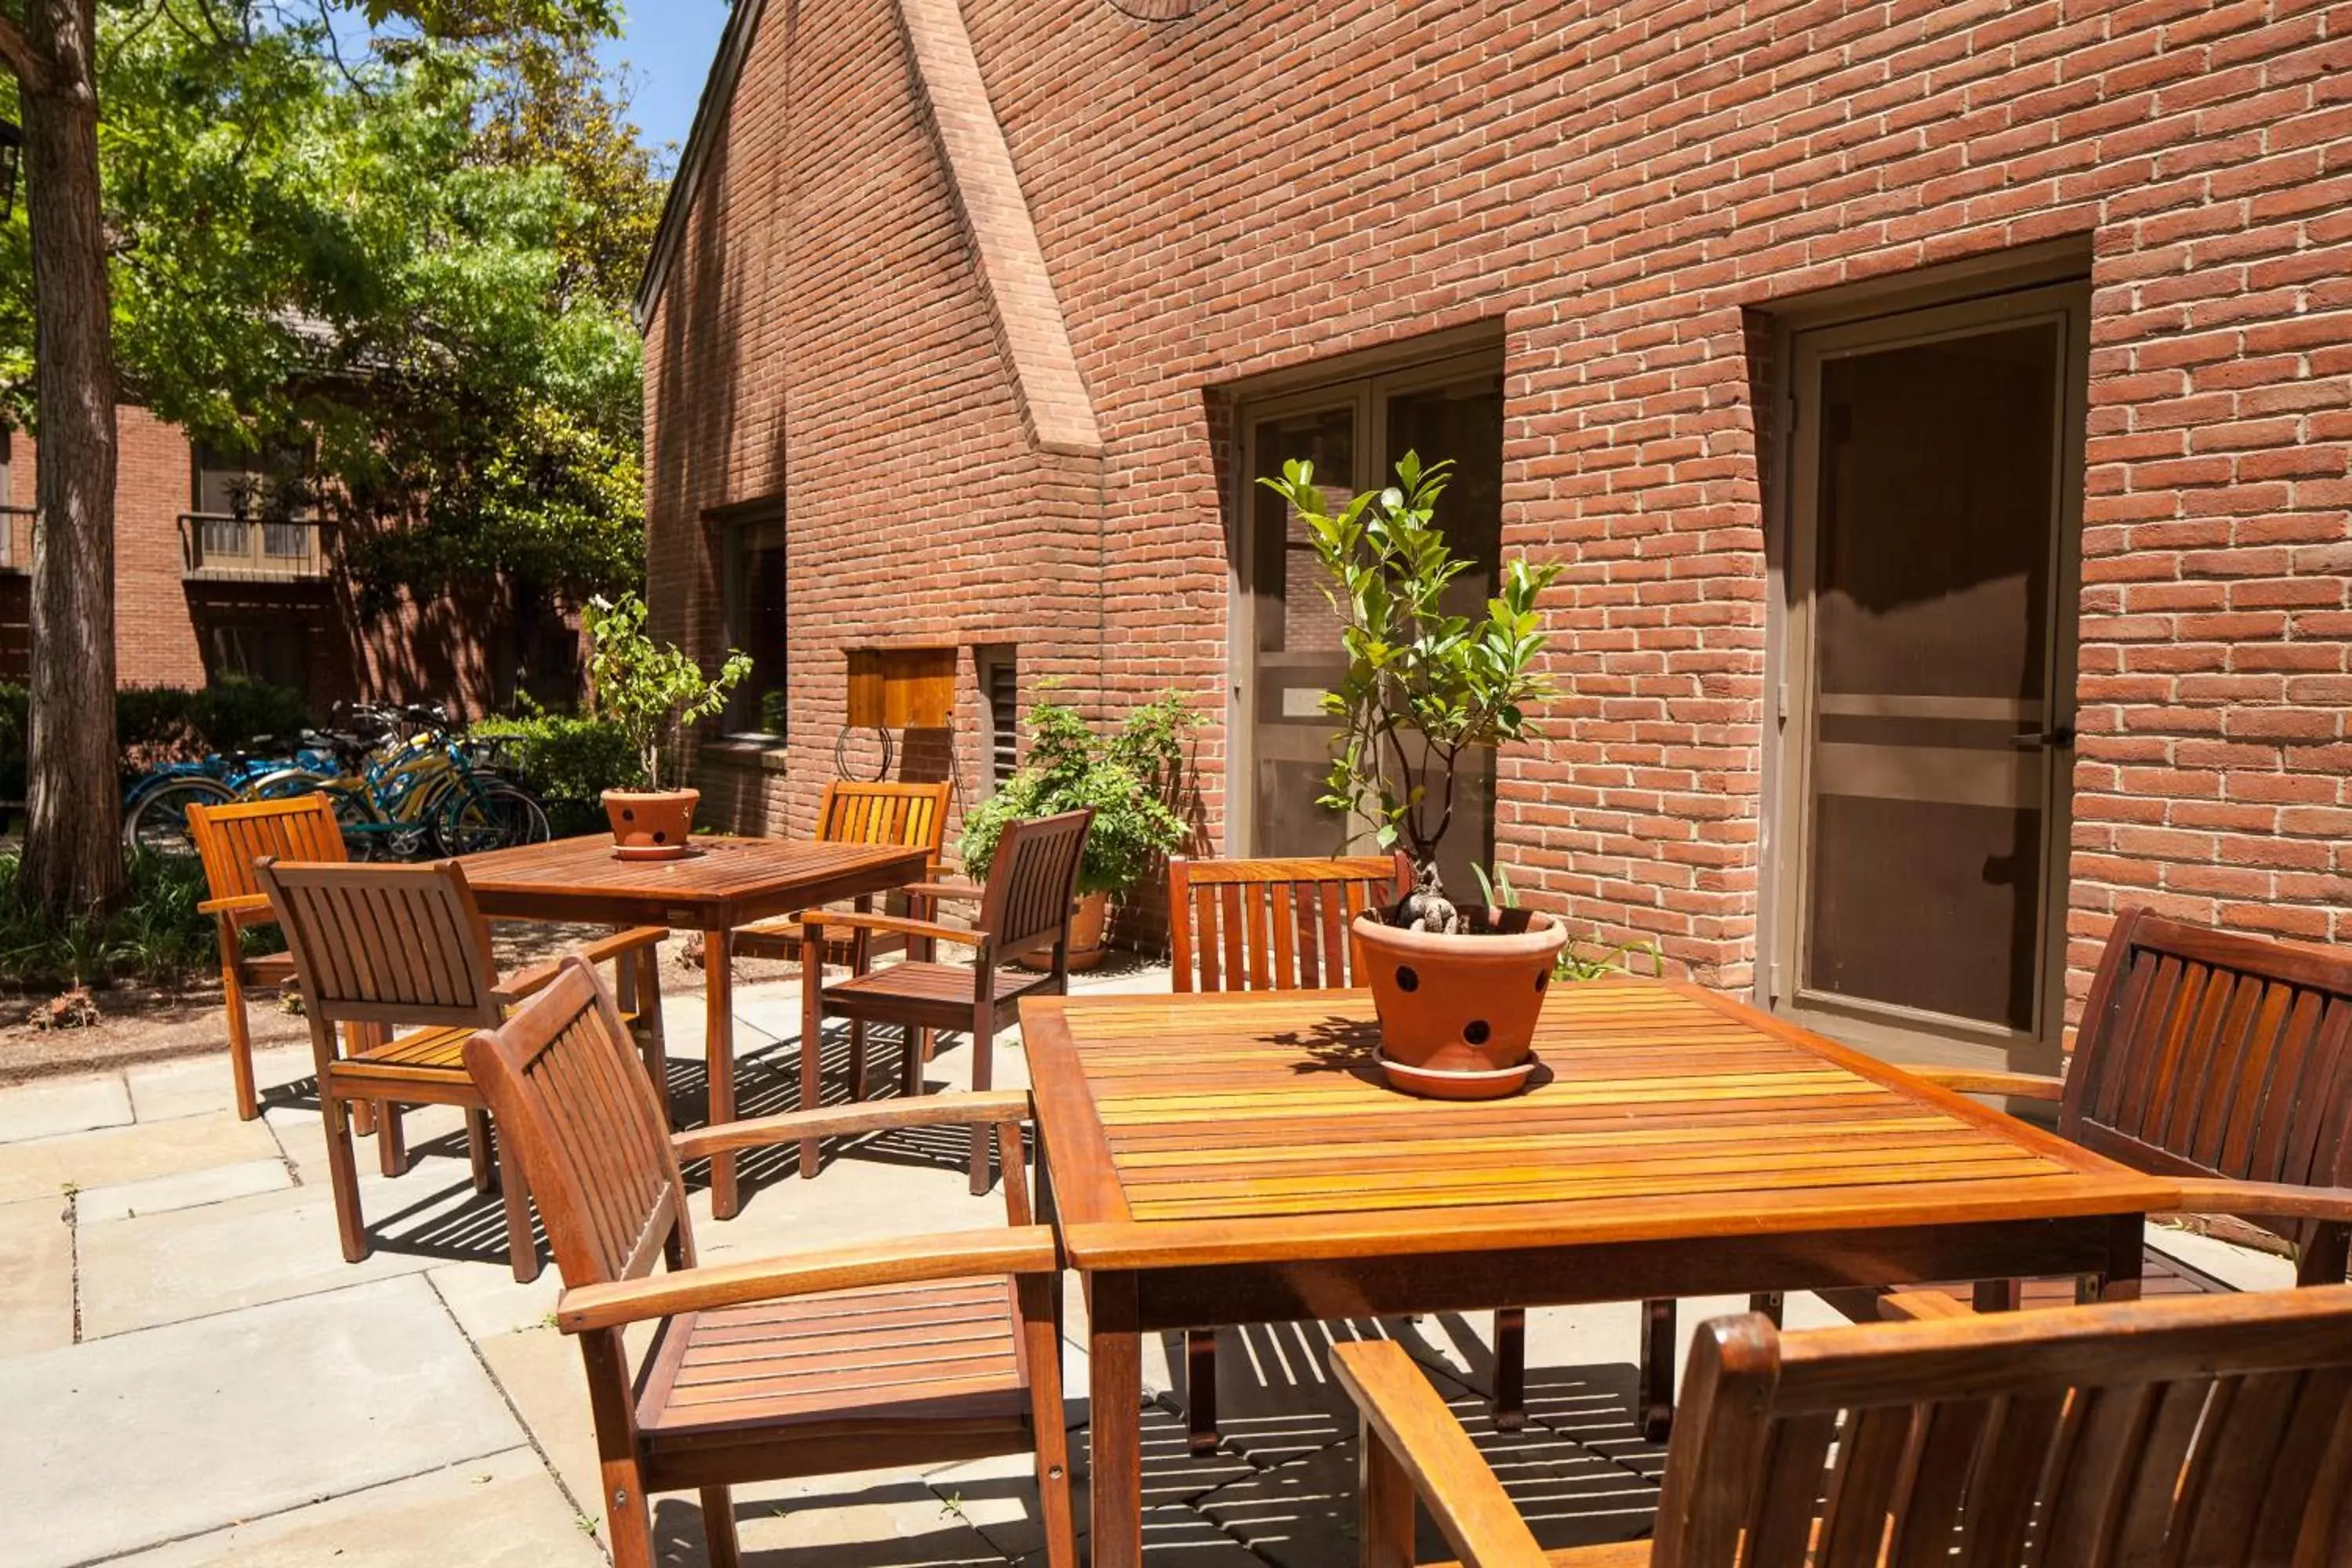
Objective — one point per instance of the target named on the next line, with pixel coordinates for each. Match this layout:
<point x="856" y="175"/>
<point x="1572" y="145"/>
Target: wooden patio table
<point x="1231" y="1159"/>
<point x="725" y="883"/>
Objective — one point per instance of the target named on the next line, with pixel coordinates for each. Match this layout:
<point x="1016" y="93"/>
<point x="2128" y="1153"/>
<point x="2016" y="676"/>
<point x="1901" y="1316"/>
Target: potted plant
<point x="1133" y="780"/>
<point x="1458" y="989"/>
<point x="653" y="691"/>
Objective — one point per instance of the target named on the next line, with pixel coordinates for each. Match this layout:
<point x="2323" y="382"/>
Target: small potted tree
<point x="1133" y="780"/>
<point x="1459" y="988"/>
<point x="653" y="691"/>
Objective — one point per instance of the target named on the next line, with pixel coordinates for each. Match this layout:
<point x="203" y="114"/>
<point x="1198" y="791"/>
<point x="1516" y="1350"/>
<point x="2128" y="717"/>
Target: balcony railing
<point x="223" y="548"/>
<point x="15" y="539"/>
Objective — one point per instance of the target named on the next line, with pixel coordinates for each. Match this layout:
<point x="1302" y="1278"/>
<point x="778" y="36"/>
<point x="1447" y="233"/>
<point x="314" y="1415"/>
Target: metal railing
<point x="221" y="546"/>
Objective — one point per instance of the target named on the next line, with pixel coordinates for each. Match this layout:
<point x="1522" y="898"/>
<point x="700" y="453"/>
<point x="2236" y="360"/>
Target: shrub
<point x="157" y="935"/>
<point x="568" y="762"/>
<point x="171" y="723"/>
<point x="1134" y="781"/>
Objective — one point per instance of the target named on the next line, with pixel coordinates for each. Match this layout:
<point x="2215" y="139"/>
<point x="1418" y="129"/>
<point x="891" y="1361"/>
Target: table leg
<point x="718" y="1061"/>
<point x="812" y="1041"/>
<point x="2000" y="1295"/>
<point x="1114" y="1411"/>
<point x="1654" y="1394"/>
<point x="2126" y="1247"/>
<point x="1510" y="1368"/>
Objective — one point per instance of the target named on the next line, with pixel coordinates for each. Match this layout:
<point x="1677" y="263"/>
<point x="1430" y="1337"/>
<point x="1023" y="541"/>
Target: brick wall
<point x="440" y="651"/>
<point x="1632" y="191"/>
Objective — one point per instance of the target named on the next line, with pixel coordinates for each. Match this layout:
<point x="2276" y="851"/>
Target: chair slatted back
<point x="1275" y="924"/>
<point x="2203" y="1053"/>
<point x="1032" y="883"/>
<point x="231" y="838"/>
<point x="564" y="1082"/>
<point x="2199" y="1430"/>
<point x="386" y="944"/>
<point x="914" y="815"/>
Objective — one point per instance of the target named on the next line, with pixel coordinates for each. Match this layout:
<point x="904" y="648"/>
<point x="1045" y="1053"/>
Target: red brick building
<point x="1942" y="408"/>
<point x="200" y="593"/>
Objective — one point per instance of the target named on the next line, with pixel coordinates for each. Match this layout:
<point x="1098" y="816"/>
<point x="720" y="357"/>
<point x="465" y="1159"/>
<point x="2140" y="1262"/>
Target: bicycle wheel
<point x="158" y="823"/>
<point x="488" y="813"/>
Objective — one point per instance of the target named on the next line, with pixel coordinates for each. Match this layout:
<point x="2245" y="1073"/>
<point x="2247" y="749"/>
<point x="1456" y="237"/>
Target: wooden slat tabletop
<point x="581" y="878"/>
<point x="1210" y="1129"/>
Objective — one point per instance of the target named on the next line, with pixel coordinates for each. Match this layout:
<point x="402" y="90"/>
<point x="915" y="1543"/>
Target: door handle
<point x="2058" y="740"/>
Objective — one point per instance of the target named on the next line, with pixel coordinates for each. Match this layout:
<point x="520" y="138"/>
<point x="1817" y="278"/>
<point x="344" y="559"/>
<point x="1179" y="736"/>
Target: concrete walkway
<point x="193" y="1377"/>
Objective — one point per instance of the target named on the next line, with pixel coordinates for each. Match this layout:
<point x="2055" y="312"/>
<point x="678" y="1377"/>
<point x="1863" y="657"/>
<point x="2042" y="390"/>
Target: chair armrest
<point x="539" y="976"/>
<point x="243" y="910"/>
<point x="1970" y="1080"/>
<point x="1923" y="1306"/>
<point x="820" y="920"/>
<point x="2267" y="1200"/>
<point x="936" y="891"/>
<point x="1404" y="1415"/>
<point x="903" y="1260"/>
<point x="859" y="1116"/>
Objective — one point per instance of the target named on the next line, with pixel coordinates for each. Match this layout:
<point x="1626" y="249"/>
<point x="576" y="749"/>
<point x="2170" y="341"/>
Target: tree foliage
<point x="411" y="258"/>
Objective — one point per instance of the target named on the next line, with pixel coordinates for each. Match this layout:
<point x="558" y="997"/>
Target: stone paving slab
<point x="498" y="1512"/>
<point x="187" y="1190"/>
<point x="57" y="1108"/>
<point x="151" y="1437"/>
<point x="192" y="1263"/>
<point x="36" y="1276"/>
<point x="41" y="1167"/>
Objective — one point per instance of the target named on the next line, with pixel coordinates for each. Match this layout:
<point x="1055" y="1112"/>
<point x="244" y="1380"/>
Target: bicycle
<point x="155" y="804"/>
<point x="405" y="787"/>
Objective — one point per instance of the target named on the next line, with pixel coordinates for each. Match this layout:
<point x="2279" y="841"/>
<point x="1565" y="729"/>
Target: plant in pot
<point x="653" y="690"/>
<point x="1134" y="781"/>
<point x="1459" y="989"/>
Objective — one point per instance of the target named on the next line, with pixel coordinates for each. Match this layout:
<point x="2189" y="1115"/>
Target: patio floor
<point x="194" y="1376"/>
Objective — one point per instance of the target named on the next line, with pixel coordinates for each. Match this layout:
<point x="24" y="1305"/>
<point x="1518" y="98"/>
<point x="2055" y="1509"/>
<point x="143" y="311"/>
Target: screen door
<point x="1930" y="734"/>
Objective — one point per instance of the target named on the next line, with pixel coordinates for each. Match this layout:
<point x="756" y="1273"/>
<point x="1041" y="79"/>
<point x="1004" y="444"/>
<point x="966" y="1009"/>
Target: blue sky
<point x="667" y="47"/>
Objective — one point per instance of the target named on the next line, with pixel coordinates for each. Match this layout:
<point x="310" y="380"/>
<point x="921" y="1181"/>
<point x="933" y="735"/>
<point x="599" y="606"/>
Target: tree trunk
<point x="73" y="857"/>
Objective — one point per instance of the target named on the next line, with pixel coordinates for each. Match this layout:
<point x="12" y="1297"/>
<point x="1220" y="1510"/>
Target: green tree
<point x="257" y="233"/>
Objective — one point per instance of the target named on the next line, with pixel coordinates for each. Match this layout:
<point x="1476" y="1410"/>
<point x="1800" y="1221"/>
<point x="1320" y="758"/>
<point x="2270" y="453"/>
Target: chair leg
<point x="857" y="1058"/>
<point x="364" y="1118"/>
<point x="983" y="1036"/>
<point x="718" y="1529"/>
<point x="478" y="1151"/>
<point x="391" y="1141"/>
<point x="910" y="1065"/>
<point x="343" y="1177"/>
<point x="630" y="1524"/>
<point x="646" y="961"/>
<point x="240" y="1047"/>
<point x="1201" y="1390"/>
<point x="1510" y="1368"/>
<point x="522" y="1245"/>
<point x="1655" y="1397"/>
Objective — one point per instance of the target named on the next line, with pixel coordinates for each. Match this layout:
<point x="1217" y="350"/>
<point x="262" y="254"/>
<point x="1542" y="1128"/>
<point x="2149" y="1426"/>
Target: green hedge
<point x="569" y="764"/>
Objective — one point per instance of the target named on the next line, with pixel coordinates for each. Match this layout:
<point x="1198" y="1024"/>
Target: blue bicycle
<point x="155" y="805"/>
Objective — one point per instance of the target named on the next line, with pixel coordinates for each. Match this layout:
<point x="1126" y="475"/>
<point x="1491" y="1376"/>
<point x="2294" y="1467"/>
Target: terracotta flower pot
<point x="1086" y="936"/>
<point x="651" y="823"/>
<point x="1458" y="1013"/>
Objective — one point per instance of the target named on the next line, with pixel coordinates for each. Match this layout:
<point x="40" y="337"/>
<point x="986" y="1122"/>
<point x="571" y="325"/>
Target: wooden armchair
<point x="912" y="816"/>
<point x="1284" y="925"/>
<point x="931" y="1349"/>
<point x="1025" y="908"/>
<point x="2225" y="1060"/>
<point x="2201" y="1430"/>
<point x="380" y="946"/>
<point x="229" y="839"/>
